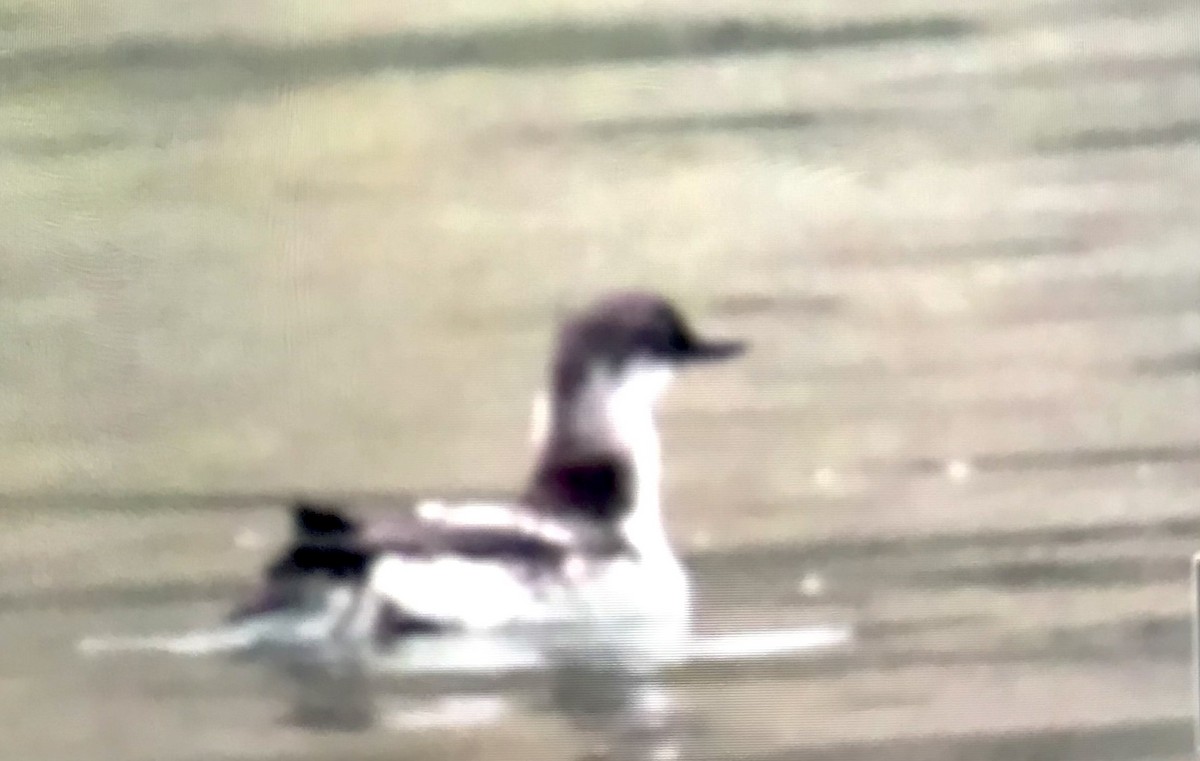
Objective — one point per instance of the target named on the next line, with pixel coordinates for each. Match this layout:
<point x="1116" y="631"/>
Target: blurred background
<point x="258" y="247"/>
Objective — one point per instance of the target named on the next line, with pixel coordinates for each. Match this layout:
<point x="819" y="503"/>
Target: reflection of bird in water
<point x="623" y="716"/>
<point x="630" y="716"/>
<point x="329" y="696"/>
<point x="575" y="574"/>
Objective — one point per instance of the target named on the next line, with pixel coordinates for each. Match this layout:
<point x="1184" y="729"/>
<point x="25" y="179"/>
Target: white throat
<point x="631" y="405"/>
<point x="619" y="410"/>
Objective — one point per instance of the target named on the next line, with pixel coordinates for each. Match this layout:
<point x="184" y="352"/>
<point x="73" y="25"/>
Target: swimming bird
<point x="576" y="568"/>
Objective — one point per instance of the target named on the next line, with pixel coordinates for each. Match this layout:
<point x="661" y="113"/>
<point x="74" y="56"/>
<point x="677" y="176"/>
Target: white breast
<point x="628" y="611"/>
<point x="619" y="608"/>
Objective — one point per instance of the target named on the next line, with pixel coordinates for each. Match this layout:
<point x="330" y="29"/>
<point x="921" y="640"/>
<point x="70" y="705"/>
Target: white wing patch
<point x="496" y="515"/>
